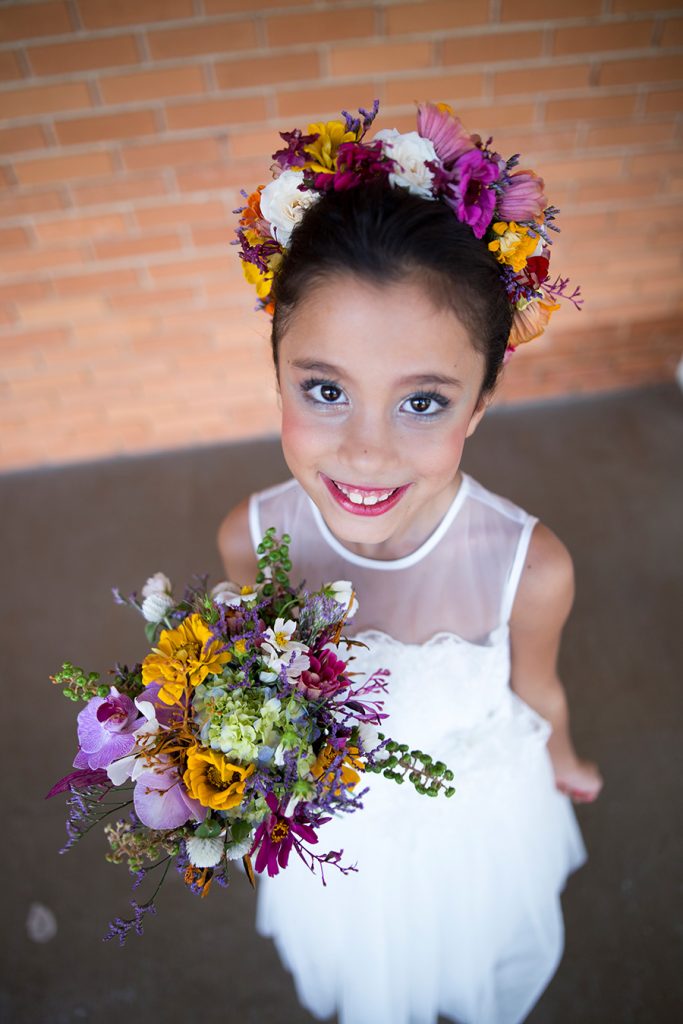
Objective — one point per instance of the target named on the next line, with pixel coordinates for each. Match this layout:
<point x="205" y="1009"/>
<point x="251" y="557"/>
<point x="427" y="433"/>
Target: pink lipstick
<point x="364" y="501"/>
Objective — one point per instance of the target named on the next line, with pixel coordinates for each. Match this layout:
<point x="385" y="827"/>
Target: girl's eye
<point x="426" y="404"/>
<point x="322" y="391"/>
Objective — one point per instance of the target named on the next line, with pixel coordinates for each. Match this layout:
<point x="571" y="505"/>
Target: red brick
<point x="192" y="268"/>
<point x="16" y="140"/>
<point x="668" y="101"/>
<point x="651" y="69"/>
<point x="543" y="80"/>
<point x="529" y="10"/>
<point x="610" y="191"/>
<point x="18" y="205"/>
<point x="119" y="190"/>
<point x="83" y="55"/>
<point x="625" y="35"/>
<point x="221" y="38"/>
<point x="27" y="263"/>
<point x="102" y="282"/>
<point x="586" y="169"/>
<point x="321" y="26"/>
<point x="12" y="239"/>
<point x="214" y="234"/>
<point x="490" y="118"/>
<point x="216" y="112"/>
<point x="451" y="88"/>
<point x="63" y="168"/>
<point x="630" y="134"/>
<point x="380" y="58"/>
<point x="114" y="13"/>
<point x="171" y="154"/>
<point x="181" y="213"/>
<point x="131" y="247"/>
<point x="435" y="16"/>
<point x="487" y="49"/>
<point x="672" y="33"/>
<point x="101" y="129"/>
<point x="25" y="291"/>
<point x="160" y="298"/>
<point x="80" y="228"/>
<point x="316" y="104"/>
<point x="151" y="85"/>
<point x="29" y="20"/>
<point x="85" y="307"/>
<point x="270" y="70"/>
<point x="590" y="108"/>
<point x="655" y="163"/>
<point x="226" y="175"/>
<point x="235" y="6"/>
<point x="630" y="6"/>
<point x="45" y="99"/>
<point x="10" y="68"/>
<point x="249" y="144"/>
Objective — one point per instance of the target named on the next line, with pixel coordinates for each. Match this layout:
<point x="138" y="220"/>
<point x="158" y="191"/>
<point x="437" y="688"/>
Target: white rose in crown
<point x="411" y="152"/>
<point x="283" y="204"/>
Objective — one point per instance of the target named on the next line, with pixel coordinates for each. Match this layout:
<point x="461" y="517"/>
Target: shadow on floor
<point x="602" y="472"/>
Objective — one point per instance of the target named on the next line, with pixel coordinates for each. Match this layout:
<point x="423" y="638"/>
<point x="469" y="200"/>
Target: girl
<point x="387" y="268"/>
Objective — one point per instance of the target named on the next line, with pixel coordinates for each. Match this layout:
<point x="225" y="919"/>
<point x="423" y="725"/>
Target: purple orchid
<point x="105" y="730"/>
<point x="277" y="834"/>
<point x="161" y="800"/>
<point x="469" y="195"/>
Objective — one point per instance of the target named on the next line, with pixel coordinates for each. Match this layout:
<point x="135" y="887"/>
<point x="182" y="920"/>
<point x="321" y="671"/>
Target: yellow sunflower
<point x="323" y="152"/>
<point x="213" y="780"/>
<point x="350" y="766"/>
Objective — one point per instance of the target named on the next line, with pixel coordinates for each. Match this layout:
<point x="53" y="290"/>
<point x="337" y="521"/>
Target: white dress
<point x="455" y="908"/>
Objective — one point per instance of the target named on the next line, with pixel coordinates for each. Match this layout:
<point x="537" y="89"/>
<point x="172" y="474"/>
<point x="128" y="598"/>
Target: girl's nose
<point x="366" y="447"/>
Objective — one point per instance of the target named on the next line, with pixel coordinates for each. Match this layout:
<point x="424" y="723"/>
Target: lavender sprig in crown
<point x="502" y="204"/>
<point x="239" y="736"/>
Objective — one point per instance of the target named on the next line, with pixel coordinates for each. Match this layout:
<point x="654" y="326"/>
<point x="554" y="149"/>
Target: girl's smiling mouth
<point x="364" y="501"/>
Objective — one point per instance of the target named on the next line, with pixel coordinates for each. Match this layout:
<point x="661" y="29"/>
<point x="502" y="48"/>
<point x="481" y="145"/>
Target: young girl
<point x="393" y="301"/>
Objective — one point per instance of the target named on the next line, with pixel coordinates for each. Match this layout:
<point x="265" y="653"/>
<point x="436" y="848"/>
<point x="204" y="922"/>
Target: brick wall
<point x="129" y="127"/>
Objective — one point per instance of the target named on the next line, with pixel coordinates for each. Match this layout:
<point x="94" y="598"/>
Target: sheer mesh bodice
<point x="462" y="580"/>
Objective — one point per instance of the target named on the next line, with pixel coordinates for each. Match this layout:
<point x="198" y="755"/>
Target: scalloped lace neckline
<point x="438" y="639"/>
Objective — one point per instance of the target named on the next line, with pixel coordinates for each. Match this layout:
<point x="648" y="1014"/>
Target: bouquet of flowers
<point x="238" y="736"/>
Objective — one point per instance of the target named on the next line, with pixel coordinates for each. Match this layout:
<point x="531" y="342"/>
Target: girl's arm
<point x="235" y="547"/>
<point x="542" y="605"/>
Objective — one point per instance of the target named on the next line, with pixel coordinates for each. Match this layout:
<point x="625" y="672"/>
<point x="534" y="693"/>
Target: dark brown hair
<point x="385" y="235"/>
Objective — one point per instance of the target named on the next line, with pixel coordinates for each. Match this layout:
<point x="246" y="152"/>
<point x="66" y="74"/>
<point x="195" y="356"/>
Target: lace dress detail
<point x="455" y="908"/>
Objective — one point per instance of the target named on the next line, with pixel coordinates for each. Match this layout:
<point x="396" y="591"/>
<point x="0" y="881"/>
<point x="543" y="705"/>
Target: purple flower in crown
<point x="277" y="834"/>
<point x="469" y="194"/>
<point x="445" y="131"/>
<point x="294" y="155"/>
<point x="105" y="730"/>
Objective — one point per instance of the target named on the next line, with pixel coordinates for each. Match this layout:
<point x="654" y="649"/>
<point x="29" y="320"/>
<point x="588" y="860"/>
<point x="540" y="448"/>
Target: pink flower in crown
<point x="356" y="162"/>
<point x="468" y="193"/>
<point x="439" y="124"/>
<point x="523" y="199"/>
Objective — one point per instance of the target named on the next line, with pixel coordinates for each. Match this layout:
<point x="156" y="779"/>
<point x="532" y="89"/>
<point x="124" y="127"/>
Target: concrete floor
<point x="603" y="472"/>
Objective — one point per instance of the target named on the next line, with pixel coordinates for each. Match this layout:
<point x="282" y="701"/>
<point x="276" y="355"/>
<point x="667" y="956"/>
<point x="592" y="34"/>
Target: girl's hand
<point x="581" y="781"/>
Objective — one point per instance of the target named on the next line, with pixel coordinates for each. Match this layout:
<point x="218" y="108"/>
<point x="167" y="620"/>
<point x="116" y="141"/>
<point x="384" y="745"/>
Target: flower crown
<point x="439" y="161"/>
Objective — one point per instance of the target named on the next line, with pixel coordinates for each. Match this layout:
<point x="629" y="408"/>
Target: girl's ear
<point x="478" y="414"/>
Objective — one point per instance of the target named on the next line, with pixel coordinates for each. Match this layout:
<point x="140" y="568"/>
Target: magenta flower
<point x="294" y="154"/>
<point x="356" y="163"/>
<point x="444" y="130"/>
<point x="324" y="677"/>
<point x="161" y="800"/>
<point x="523" y="199"/>
<point x="469" y="194"/>
<point x="80" y="780"/>
<point x="276" y="836"/>
<point x="105" y="730"/>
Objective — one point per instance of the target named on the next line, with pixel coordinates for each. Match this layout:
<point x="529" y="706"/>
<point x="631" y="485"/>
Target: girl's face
<point x="378" y="390"/>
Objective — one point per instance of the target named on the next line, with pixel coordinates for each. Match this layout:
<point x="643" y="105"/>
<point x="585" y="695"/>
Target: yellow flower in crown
<point x="514" y="245"/>
<point x="323" y="152"/>
<point x="213" y="780"/>
<point x="350" y="766"/>
<point x="184" y="656"/>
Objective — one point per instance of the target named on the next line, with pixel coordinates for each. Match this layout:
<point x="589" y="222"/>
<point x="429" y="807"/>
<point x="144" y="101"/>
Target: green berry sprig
<point x="77" y="685"/>
<point x="273" y="555"/>
<point x="429" y="777"/>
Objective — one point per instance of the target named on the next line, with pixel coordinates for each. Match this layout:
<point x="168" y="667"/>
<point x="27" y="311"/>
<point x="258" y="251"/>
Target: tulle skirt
<point x="455" y="907"/>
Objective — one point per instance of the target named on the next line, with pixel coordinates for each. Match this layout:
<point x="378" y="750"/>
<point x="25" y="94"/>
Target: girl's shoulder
<point x="241" y="530"/>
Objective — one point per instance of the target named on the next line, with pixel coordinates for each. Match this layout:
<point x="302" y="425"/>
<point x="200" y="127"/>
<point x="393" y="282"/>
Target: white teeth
<point x="359" y="499"/>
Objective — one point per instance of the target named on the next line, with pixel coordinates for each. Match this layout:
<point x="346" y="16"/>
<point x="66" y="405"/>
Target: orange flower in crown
<point x="441" y="160"/>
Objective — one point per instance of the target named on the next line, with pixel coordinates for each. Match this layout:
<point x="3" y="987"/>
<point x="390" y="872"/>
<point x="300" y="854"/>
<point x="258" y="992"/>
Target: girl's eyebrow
<point x="418" y="380"/>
